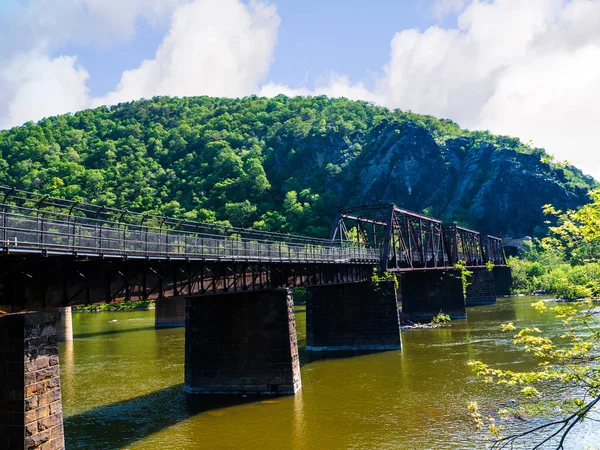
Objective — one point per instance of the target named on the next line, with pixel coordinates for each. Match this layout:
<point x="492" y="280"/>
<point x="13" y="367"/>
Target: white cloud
<point x="31" y="24"/>
<point x="214" y="47"/>
<point x="35" y="86"/>
<point x="34" y="83"/>
<point x="334" y="85"/>
<point x="441" y="8"/>
<point x="524" y="68"/>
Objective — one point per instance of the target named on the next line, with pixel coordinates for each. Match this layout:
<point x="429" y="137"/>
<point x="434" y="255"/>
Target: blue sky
<point x="529" y="69"/>
<point x="315" y="39"/>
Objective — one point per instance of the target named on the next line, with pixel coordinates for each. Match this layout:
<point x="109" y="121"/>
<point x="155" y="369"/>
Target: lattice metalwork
<point x="411" y="241"/>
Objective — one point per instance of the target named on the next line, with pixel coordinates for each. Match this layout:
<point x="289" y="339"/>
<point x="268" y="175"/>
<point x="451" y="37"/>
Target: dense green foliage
<point x="378" y="277"/>
<point x="285" y="164"/>
<point x="567" y="261"/>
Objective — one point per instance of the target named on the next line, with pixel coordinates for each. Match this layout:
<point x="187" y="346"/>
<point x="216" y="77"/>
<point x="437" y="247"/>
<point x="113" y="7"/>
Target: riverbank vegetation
<point x="117" y="306"/>
<point x="566" y="262"/>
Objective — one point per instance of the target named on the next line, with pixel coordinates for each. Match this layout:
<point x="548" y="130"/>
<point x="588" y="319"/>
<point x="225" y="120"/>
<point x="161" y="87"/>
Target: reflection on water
<point x="122" y="388"/>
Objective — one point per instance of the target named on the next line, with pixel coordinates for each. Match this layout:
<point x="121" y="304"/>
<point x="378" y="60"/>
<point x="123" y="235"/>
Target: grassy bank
<point x="559" y="278"/>
<point x="119" y="306"/>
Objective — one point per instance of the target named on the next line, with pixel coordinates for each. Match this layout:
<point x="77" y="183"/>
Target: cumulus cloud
<point x="528" y="69"/>
<point x="34" y="82"/>
<point x="214" y="47"/>
<point x="35" y="86"/>
<point x="31" y="24"/>
<point x="334" y="85"/>
<point x="441" y="8"/>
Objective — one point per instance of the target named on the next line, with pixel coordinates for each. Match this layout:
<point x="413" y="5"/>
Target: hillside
<point x="287" y="164"/>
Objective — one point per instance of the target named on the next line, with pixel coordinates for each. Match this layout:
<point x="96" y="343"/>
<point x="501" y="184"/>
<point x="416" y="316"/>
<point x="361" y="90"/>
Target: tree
<point x="569" y="363"/>
<point x="577" y="233"/>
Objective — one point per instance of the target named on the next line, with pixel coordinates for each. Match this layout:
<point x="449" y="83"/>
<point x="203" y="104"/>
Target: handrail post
<point x="5" y="218"/>
<point x="41" y="236"/>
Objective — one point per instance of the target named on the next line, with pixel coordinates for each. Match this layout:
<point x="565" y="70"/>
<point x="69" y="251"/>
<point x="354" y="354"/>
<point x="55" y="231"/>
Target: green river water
<point x="122" y="385"/>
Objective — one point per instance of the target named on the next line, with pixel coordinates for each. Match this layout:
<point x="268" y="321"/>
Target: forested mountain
<point x="286" y="164"/>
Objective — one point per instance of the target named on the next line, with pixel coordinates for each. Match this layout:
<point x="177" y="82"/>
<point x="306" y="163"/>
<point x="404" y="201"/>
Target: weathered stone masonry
<point x="242" y="343"/>
<point x="481" y="289"/>
<point x="30" y="396"/>
<point x="357" y="316"/>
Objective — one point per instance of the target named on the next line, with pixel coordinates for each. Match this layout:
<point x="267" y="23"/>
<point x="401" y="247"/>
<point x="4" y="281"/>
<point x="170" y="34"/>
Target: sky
<point x="525" y="68"/>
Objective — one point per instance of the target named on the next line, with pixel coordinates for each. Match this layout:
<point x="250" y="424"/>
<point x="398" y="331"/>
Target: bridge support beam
<point x="356" y="316"/>
<point x="242" y="343"/>
<point x="481" y="289"/>
<point x="169" y="312"/>
<point x="426" y="293"/>
<point x="30" y="397"/>
<point x="502" y="280"/>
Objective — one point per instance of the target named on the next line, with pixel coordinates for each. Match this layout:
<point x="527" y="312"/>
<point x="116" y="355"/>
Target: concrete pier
<point x="425" y="293"/>
<point x="242" y="343"/>
<point x="30" y="395"/>
<point x="169" y="312"/>
<point x="351" y="317"/>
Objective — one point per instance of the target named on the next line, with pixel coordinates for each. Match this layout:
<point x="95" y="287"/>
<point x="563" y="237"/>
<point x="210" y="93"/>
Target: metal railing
<point x="25" y="229"/>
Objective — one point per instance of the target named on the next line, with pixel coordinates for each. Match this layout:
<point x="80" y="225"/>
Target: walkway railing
<point x="33" y="223"/>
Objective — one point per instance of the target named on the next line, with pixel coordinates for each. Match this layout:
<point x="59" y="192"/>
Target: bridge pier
<point x="169" y="312"/>
<point x="356" y="316"/>
<point x="426" y="293"/>
<point x="30" y="395"/>
<point x="502" y="279"/>
<point x="481" y="289"/>
<point x="64" y="323"/>
<point x="242" y="343"/>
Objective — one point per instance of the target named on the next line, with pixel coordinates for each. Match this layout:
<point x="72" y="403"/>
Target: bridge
<point x="229" y="286"/>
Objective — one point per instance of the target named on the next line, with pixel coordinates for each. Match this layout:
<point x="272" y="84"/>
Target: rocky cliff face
<point x="479" y="184"/>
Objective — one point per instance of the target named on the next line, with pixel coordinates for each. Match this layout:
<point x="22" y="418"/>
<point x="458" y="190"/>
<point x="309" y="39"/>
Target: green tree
<point x="568" y="364"/>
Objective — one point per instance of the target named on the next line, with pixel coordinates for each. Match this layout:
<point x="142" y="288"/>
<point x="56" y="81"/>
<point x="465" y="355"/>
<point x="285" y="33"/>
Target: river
<point x="122" y="387"/>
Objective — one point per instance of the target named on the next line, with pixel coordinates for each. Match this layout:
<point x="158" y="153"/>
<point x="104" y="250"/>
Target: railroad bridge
<point x="229" y="286"/>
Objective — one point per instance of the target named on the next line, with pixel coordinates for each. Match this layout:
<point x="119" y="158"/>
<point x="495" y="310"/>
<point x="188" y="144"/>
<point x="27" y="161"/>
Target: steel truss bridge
<point x="410" y="241"/>
<point x="56" y="252"/>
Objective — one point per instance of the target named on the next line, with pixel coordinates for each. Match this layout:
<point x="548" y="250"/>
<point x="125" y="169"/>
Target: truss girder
<point x="411" y="241"/>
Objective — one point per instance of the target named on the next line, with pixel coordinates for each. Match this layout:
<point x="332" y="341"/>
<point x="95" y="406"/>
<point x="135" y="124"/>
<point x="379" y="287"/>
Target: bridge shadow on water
<point x="307" y="357"/>
<point x="121" y="424"/>
<point x="109" y="332"/>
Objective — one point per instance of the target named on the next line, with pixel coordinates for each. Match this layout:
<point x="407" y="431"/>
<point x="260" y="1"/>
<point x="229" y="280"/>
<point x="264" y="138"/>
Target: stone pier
<point x="425" y="293"/>
<point x="64" y="324"/>
<point x="356" y="316"/>
<point x="502" y="280"/>
<point x="481" y="289"/>
<point x="169" y="312"/>
<point x="242" y="343"/>
<point x="30" y="398"/>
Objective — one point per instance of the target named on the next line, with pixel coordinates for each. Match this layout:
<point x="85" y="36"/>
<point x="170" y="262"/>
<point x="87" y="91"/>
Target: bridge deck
<point x="394" y="239"/>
